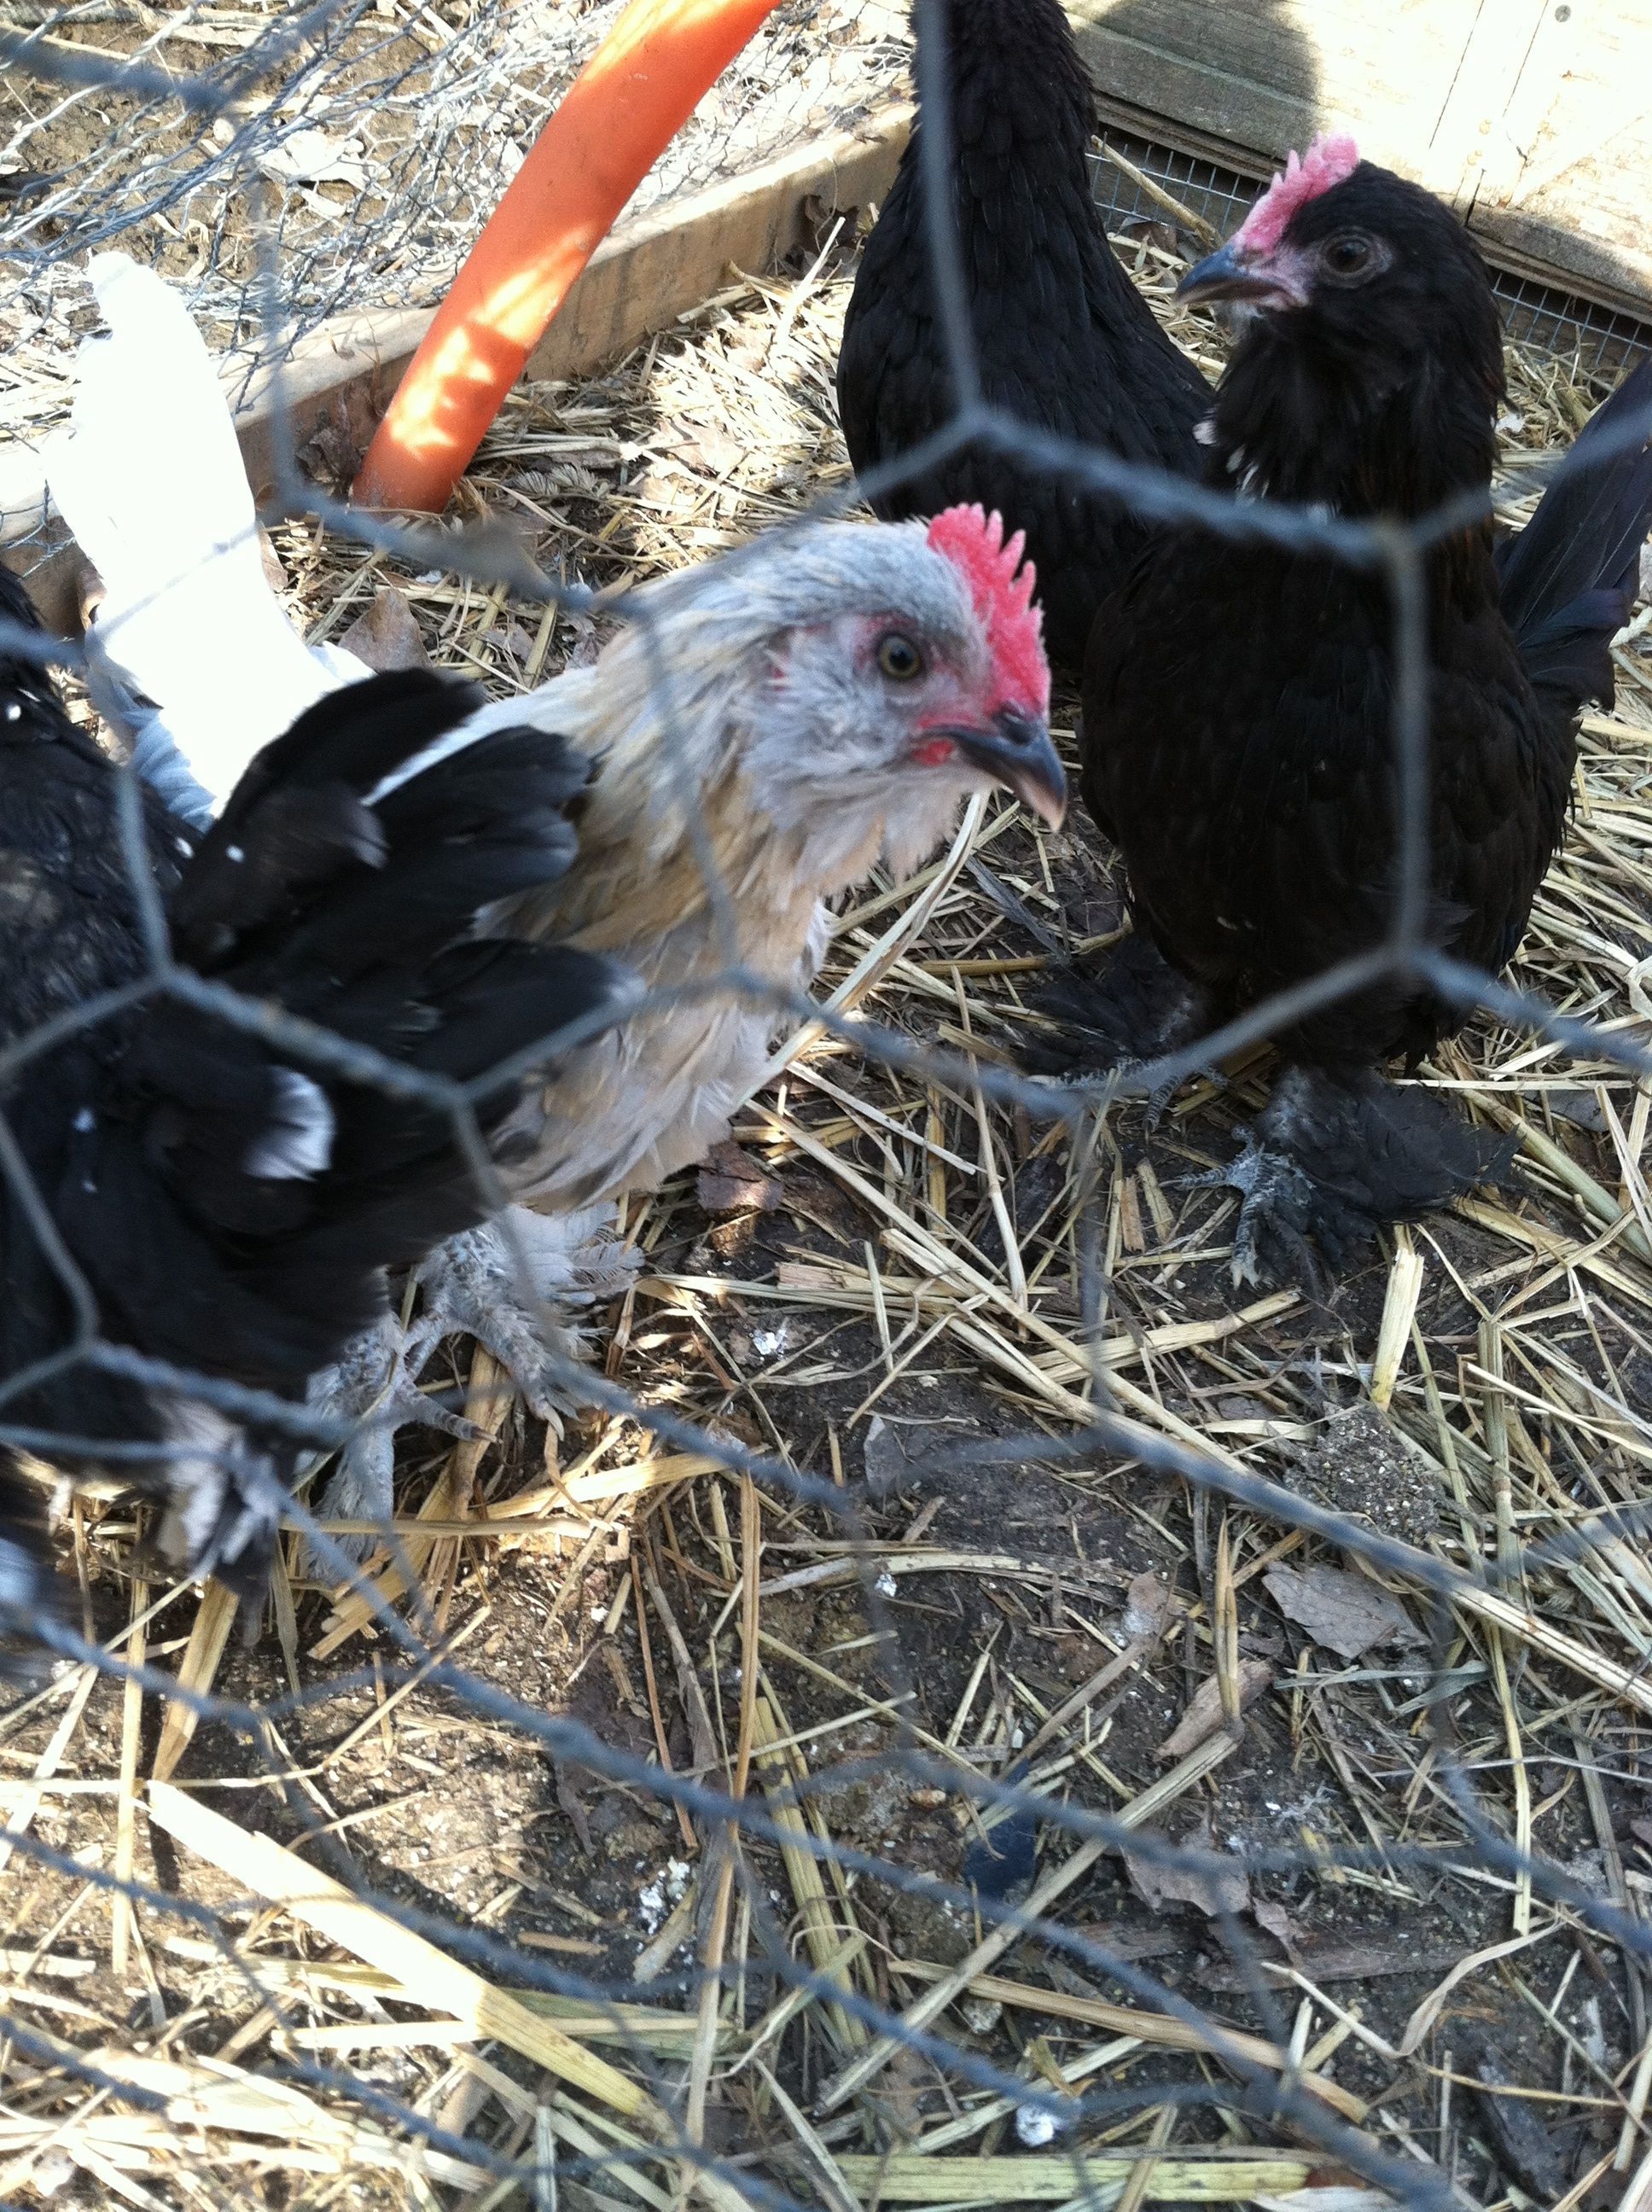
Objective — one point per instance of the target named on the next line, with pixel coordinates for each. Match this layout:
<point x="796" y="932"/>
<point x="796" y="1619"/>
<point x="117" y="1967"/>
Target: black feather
<point x="1062" y="339"/>
<point x="1567" y="580"/>
<point x="231" y="1204"/>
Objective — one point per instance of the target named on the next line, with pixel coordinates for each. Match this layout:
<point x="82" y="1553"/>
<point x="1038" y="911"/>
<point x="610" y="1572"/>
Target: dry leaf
<point x="1277" y="1923"/>
<point x="332" y="453"/>
<point x="310" y="157"/>
<point x="1204" y="1715"/>
<point x="1523" y="2139"/>
<point x="1344" y="1611"/>
<point x="890" y="1463"/>
<point x="730" y="1181"/>
<point x="1153" y="230"/>
<point x="1147" y="1603"/>
<point x="269" y="560"/>
<point x="572" y="1803"/>
<point x="713" y="449"/>
<point x="1581" y="1108"/>
<point x="1170" y="1883"/>
<point x="386" y="634"/>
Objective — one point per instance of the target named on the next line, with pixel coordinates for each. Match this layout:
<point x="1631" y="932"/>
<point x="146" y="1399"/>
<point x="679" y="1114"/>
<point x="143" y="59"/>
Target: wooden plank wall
<point x="1533" y="117"/>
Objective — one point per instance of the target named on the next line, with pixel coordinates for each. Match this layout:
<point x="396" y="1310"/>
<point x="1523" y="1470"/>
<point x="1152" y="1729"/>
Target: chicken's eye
<point x="899" y="658"/>
<point x="1350" y="255"/>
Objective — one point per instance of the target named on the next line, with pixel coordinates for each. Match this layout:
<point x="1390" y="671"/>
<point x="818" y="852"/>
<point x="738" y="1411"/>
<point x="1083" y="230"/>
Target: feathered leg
<point x="471" y="1286"/>
<point x="1332" y="1158"/>
<point x="373" y="1387"/>
<point x="1124" y="1012"/>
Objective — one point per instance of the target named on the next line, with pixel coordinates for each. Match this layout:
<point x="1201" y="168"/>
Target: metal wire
<point x="417" y="115"/>
<point x="1596" y="340"/>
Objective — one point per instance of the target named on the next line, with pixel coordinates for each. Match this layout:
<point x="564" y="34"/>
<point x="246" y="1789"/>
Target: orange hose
<point x="623" y="109"/>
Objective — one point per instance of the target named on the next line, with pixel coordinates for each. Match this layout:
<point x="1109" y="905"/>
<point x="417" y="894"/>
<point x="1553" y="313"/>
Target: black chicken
<point x="1062" y="339"/>
<point x="1238" y="708"/>
<point x="194" y="1193"/>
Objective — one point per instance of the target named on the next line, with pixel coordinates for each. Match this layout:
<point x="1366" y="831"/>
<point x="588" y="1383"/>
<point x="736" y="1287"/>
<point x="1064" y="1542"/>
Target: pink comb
<point x="1327" y="162"/>
<point x="1001" y="589"/>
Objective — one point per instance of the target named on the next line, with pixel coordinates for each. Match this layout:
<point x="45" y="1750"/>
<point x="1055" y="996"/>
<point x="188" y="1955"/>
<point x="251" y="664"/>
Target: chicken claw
<point x="1277" y="1210"/>
<point x="471" y="1286"/>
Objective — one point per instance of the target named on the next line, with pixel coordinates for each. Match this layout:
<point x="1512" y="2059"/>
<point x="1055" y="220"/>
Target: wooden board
<point x="1260" y="76"/>
<point x="641" y="280"/>
<point x="1533" y="117"/>
<point x="1567" y="175"/>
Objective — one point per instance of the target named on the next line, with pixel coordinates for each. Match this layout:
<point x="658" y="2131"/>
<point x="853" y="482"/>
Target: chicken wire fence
<point x="778" y="2051"/>
<point x="348" y="151"/>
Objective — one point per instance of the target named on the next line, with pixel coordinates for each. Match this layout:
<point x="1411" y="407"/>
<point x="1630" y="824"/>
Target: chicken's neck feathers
<point x="663" y="755"/>
<point x="1298" y="425"/>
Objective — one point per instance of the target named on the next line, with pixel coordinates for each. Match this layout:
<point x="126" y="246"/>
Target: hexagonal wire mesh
<point x="828" y="2002"/>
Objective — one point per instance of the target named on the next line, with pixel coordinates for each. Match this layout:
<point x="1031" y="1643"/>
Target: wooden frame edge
<point x="650" y="272"/>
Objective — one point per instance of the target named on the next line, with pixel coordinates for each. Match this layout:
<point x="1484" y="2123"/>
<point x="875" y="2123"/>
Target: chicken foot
<point x="1129" y="1011"/>
<point x="472" y="1285"/>
<point x="1333" y="1157"/>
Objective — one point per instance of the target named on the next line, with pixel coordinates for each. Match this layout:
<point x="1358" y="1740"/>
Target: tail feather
<point x="362" y="917"/>
<point x="231" y="1202"/>
<point x="150" y="478"/>
<point x="325" y="809"/>
<point x="300" y="815"/>
<point x="1570" y="579"/>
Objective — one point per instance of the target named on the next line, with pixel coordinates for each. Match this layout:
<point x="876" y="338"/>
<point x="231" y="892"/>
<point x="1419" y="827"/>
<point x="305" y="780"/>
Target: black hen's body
<point x="1239" y="698"/>
<point x="1258" y="818"/>
<point x="230" y="1205"/>
<point x="1062" y="339"/>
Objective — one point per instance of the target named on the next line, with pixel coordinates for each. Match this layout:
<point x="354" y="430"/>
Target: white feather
<point x="298" y="1142"/>
<point x="212" y="1465"/>
<point x="150" y="478"/>
<point x="439" y="749"/>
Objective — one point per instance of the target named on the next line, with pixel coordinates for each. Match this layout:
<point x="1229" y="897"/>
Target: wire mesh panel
<point x="949" y="1702"/>
<point x="1591" y="337"/>
<point x="341" y="157"/>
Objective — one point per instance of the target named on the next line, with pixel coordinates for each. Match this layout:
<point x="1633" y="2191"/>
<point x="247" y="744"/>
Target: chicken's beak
<point x="1232" y="273"/>
<point x="1017" y="752"/>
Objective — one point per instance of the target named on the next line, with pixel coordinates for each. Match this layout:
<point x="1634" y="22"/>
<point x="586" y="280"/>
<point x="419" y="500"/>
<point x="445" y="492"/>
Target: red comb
<point x="1001" y="589"/>
<point x="1327" y="162"/>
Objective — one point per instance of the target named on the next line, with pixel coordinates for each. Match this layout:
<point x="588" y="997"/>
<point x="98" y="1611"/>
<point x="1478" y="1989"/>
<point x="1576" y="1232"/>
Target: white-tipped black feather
<point x="231" y="1204"/>
<point x="297" y="1142"/>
